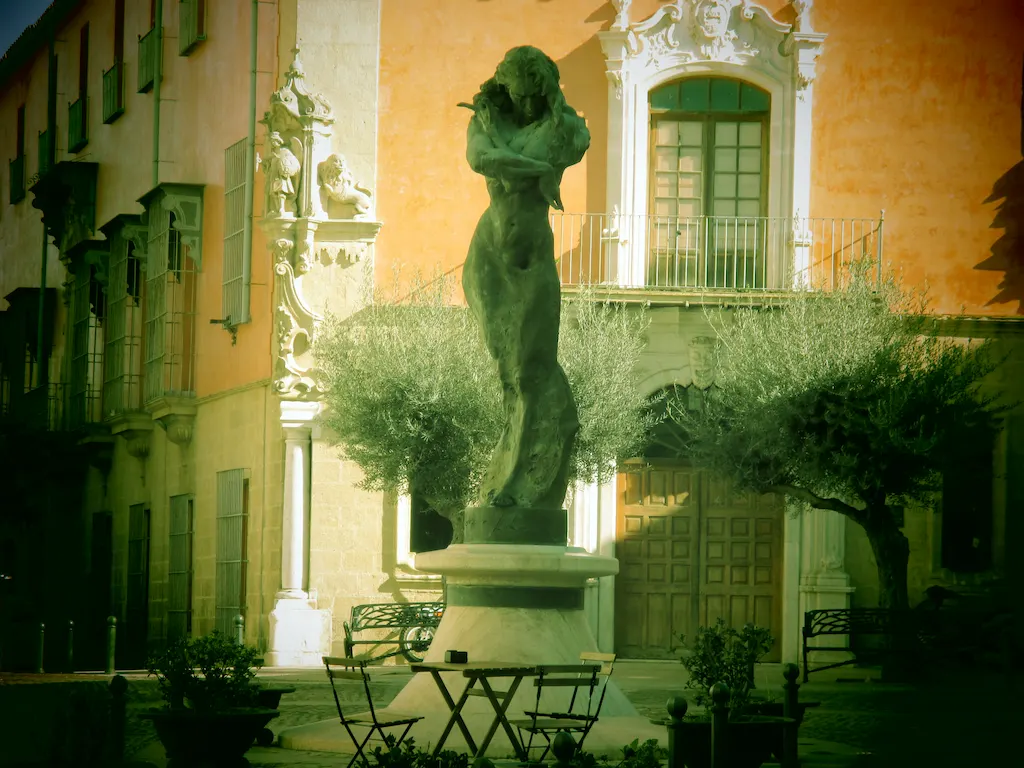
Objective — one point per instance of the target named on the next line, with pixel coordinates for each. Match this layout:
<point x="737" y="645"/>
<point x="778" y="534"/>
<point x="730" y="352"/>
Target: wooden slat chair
<point x="579" y="717"/>
<point x="376" y="720"/>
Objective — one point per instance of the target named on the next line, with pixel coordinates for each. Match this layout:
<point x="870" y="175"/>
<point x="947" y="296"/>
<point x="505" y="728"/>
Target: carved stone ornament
<point x="621" y="13"/>
<point x="175" y="416"/>
<point x="337" y="185"/>
<point x="135" y="428"/>
<point x="702" y="361"/>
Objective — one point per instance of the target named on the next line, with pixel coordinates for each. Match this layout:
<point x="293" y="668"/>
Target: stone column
<point x="299" y="633"/>
<point x="824" y="582"/>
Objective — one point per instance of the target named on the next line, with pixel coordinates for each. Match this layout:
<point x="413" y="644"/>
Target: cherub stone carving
<point x="522" y="137"/>
<point x="282" y="169"/>
<point x="338" y="184"/>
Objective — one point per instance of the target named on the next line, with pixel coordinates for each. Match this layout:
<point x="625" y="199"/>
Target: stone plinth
<point x="511" y="603"/>
<point x="299" y="634"/>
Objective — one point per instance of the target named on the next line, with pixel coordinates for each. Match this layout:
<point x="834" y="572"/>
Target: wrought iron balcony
<point x="17" y="167"/>
<point x="710" y="254"/>
<point x="148" y="55"/>
<point x="113" y="92"/>
<point x="78" y="129"/>
<point x="191" y="25"/>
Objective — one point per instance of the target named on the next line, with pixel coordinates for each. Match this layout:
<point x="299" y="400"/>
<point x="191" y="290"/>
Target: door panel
<point x="690" y="551"/>
<point x="657" y="551"/>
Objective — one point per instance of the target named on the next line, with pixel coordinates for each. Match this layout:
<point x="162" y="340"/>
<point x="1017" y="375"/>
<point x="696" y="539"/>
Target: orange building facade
<point x="199" y="195"/>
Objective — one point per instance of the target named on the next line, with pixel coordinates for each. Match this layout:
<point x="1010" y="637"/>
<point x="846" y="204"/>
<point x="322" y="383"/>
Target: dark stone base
<point x="551" y="598"/>
<point x="516" y="525"/>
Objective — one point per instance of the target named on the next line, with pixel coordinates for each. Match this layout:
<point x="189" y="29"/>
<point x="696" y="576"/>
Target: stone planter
<point x="774" y="709"/>
<point x="208" y="740"/>
<point x="269" y="697"/>
<point x="751" y="740"/>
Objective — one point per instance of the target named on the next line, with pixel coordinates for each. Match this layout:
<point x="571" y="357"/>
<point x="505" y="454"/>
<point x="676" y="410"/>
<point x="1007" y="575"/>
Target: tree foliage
<point x="414" y="397"/>
<point x="847" y="401"/>
<point x="848" y="395"/>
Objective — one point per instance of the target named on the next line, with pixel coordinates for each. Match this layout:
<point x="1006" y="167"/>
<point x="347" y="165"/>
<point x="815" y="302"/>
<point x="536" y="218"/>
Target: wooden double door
<point x="690" y="551"/>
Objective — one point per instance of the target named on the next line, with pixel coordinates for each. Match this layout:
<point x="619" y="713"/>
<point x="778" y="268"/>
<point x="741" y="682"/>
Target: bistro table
<point x="480" y="672"/>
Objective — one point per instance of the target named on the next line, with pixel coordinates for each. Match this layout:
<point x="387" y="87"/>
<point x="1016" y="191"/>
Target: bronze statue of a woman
<point x="522" y="137"/>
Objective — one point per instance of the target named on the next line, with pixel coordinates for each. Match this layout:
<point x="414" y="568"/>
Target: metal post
<point x="719" y="725"/>
<point x="240" y="630"/>
<point x="676" y="707"/>
<point x="111" y="643"/>
<point x="118" y="691"/>
<point x="69" y="662"/>
<point x="878" y="249"/>
<point x="41" y="648"/>
<point x="790" y="709"/>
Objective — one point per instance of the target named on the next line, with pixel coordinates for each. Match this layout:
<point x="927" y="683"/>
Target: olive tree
<point x="414" y="398"/>
<point x="846" y="401"/>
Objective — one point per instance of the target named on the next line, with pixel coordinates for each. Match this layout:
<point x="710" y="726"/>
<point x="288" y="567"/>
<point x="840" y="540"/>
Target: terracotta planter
<point x="750" y="741"/>
<point x="208" y="740"/>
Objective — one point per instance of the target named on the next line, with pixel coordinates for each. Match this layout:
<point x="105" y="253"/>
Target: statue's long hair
<point x="524" y="60"/>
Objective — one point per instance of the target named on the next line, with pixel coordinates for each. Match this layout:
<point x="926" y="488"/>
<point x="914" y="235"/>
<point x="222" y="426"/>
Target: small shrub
<point x="723" y="655"/>
<point x="207" y="674"/>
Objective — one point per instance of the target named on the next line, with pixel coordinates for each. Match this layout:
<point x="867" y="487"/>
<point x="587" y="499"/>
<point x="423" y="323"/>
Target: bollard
<point x="790" y="708"/>
<point x="676" y="707"/>
<point x="719" y="725"/>
<point x="41" y="648"/>
<point x="111" y="643"/>
<point x="118" y="710"/>
<point x="69" y="661"/>
<point x="563" y="746"/>
<point x="240" y="630"/>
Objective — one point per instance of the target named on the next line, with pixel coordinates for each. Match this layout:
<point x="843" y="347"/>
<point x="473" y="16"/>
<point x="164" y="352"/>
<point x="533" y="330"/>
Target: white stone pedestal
<point x="300" y="634"/>
<point x="533" y="576"/>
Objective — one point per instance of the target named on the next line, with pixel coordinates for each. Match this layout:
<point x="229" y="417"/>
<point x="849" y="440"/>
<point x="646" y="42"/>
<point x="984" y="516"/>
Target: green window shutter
<point x="236" y="272"/>
<point x="232" y="511"/>
<point x="179" y="571"/>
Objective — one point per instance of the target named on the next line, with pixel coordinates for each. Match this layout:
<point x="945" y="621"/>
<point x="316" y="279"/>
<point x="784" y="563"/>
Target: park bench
<point x="930" y="633"/>
<point x="411" y="627"/>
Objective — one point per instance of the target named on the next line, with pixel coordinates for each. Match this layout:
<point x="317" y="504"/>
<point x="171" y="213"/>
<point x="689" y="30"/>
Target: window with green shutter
<point x="232" y="530"/>
<point x="236" y="271"/>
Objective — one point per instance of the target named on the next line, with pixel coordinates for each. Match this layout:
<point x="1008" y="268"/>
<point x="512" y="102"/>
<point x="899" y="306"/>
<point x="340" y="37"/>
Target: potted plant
<point x="723" y="654"/>
<point x="213" y="713"/>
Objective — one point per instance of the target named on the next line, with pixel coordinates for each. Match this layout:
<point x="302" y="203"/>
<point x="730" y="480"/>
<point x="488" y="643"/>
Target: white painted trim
<point x="405" y="558"/>
<point x="673" y="44"/>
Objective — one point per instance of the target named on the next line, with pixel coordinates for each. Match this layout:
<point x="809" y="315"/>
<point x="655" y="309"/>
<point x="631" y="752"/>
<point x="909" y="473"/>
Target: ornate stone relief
<point x="320" y="226"/>
<point x="621" y="13"/>
<point x="175" y="416"/>
<point x="702" y="359"/>
<point x="135" y="429"/>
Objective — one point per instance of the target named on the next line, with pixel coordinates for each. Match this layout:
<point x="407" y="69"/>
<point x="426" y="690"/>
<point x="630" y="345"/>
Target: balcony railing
<point x="113" y="92"/>
<point x="44" y="408"/>
<point x="717" y="254"/>
<point x="191" y="25"/>
<point x="44" y="152"/>
<point x="148" y="54"/>
<point x="17" y="179"/>
<point x="78" y="131"/>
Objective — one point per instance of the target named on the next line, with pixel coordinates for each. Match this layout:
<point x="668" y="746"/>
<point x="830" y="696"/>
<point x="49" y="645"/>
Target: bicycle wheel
<point x="415" y="642"/>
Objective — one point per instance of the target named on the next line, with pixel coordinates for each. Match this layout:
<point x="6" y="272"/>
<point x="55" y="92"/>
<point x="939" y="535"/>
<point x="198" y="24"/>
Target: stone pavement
<point x="963" y="721"/>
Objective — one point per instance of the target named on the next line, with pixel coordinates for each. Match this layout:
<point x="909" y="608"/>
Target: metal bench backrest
<point x="395" y="615"/>
<point x="339" y="668"/>
<point x="847" y="621"/>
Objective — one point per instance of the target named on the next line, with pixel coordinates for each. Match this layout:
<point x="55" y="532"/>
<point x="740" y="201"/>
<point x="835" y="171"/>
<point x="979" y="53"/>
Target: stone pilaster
<point x="824" y="582"/>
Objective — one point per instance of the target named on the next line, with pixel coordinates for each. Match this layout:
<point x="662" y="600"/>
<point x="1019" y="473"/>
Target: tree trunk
<point x="892" y="555"/>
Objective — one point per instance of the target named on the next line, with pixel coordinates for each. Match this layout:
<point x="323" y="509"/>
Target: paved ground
<point x="968" y="720"/>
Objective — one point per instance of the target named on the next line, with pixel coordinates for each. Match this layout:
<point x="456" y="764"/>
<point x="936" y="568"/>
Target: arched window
<point x="708" y="183"/>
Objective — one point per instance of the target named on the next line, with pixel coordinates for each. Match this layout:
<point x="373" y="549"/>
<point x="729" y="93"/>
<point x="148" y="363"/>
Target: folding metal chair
<point x="375" y="720"/>
<point x="575" y="719"/>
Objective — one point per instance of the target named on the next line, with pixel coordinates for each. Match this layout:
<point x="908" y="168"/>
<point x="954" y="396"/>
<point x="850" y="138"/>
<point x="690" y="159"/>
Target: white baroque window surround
<point x="701" y="38"/>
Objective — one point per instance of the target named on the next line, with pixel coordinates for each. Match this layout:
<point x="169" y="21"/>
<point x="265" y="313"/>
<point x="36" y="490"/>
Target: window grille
<point x="191" y="25"/>
<point x="121" y="380"/>
<point x="170" y="309"/>
<point x="78" y="128"/>
<point x="236" y="277"/>
<point x="113" y="92"/>
<point x="232" y="524"/>
<point x="179" y="572"/>
<point x="137" y="604"/>
<point x="87" y="309"/>
<point x="148" y="53"/>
